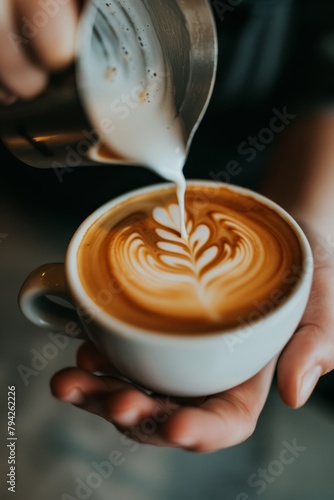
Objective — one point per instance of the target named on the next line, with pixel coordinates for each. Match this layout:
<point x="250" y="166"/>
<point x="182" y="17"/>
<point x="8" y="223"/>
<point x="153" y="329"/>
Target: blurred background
<point x="57" y="444"/>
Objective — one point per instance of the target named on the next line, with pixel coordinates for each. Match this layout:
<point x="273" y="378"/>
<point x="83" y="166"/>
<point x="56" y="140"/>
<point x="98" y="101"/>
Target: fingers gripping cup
<point x="184" y="317"/>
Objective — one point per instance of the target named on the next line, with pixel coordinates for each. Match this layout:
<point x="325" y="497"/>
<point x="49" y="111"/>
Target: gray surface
<point x="58" y="443"/>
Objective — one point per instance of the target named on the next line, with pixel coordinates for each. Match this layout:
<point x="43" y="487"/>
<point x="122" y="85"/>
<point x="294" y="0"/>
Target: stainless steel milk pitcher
<point x="124" y="50"/>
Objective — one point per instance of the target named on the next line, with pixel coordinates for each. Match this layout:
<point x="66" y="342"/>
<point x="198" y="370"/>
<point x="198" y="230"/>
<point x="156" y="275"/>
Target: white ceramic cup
<point x="175" y="365"/>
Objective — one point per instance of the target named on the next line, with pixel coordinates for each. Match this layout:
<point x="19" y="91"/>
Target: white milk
<point x="126" y="83"/>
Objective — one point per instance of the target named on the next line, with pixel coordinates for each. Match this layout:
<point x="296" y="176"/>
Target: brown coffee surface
<point x="241" y="261"/>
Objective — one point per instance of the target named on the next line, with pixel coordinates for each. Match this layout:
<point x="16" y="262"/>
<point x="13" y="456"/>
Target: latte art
<point x="218" y="258"/>
<point x="237" y="253"/>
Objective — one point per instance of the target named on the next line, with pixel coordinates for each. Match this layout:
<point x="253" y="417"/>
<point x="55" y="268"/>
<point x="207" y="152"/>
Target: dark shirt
<point x="273" y="55"/>
<point x="282" y="49"/>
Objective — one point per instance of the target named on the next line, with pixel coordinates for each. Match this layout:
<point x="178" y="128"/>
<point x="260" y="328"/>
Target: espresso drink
<point x="134" y="264"/>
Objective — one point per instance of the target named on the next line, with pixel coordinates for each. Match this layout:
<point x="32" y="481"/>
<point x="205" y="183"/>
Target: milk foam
<point x="238" y="253"/>
<point x="205" y="271"/>
<point x="137" y="93"/>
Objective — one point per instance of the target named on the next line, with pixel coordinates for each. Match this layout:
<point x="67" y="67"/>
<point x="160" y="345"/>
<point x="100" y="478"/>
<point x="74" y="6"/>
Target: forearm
<point x="301" y="178"/>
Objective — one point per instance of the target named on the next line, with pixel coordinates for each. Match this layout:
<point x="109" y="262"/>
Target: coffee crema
<point x="135" y="265"/>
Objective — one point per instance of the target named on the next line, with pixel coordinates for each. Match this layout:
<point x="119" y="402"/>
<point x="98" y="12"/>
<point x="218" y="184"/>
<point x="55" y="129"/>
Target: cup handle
<point x="36" y="304"/>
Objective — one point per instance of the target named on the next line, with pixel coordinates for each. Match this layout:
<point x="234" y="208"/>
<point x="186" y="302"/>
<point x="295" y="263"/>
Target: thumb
<point x="310" y="352"/>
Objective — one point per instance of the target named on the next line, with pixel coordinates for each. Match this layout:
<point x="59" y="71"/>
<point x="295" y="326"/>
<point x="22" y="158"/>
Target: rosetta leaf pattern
<point x="178" y="252"/>
<point x="202" y="272"/>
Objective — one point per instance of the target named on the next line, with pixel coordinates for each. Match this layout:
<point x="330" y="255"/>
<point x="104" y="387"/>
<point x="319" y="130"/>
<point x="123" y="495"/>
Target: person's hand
<point x="201" y="424"/>
<point x="36" y="37"/>
<point x="225" y="419"/>
<point x="310" y="352"/>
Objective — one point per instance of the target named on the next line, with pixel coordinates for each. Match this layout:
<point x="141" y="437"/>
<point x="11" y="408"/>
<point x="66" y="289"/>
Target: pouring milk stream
<point x="142" y="78"/>
<point x="144" y="84"/>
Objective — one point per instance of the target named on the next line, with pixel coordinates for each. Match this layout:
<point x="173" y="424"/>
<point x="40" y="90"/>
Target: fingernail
<point x="129" y="417"/>
<point x="186" y="441"/>
<point x="308" y="383"/>
<point x="75" y="397"/>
